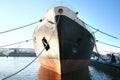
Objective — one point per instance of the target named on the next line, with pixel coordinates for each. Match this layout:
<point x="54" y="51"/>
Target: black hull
<point x="74" y="40"/>
<point x="76" y="44"/>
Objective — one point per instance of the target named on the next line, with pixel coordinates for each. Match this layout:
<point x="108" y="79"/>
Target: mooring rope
<point x="103" y="32"/>
<point x="15" y="43"/>
<point x="19" y="27"/>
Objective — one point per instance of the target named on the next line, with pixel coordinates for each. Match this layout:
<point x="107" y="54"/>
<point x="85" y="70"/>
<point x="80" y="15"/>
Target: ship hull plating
<point x="70" y="45"/>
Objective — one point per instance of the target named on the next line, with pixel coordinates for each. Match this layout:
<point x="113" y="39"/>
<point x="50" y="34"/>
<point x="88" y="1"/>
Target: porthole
<point x="60" y="11"/>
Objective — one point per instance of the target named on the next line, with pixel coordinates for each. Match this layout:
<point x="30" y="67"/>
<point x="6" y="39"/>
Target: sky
<point x="101" y="14"/>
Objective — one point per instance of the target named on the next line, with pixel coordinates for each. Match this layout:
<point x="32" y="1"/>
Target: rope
<point x="103" y="32"/>
<point x="55" y="28"/>
<point x="33" y="59"/>
<point x="15" y="43"/>
<point x="19" y="27"/>
<point x="98" y="52"/>
<point x="96" y="45"/>
<point x="105" y="44"/>
<point x="108" y="44"/>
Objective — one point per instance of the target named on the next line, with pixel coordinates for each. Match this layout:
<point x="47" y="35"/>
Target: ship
<point x="62" y="41"/>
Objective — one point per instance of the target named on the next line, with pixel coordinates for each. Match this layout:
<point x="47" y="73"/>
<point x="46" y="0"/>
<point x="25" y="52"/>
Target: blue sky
<point x="101" y="14"/>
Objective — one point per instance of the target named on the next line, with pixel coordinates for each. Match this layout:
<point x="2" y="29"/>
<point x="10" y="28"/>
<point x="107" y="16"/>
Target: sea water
<point x="11" y="65"/>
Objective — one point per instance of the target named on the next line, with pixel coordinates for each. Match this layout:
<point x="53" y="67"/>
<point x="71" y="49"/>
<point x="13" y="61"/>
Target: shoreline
<point x="19" y="55"/>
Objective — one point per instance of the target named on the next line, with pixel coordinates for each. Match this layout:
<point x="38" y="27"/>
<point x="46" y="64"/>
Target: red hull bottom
<point x="63" y="70"/>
